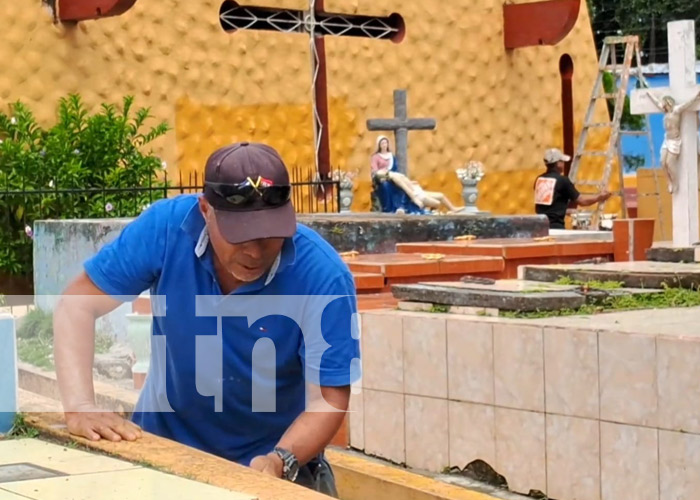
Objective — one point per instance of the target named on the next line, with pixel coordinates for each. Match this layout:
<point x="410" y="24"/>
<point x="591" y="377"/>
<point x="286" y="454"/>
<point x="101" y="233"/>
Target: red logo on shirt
<point x="544" y="191"/>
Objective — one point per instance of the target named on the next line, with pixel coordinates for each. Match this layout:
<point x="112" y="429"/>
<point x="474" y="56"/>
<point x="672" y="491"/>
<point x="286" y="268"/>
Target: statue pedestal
<point x="471" y="211"/>
<point x="346" y="195"/>
<point x="8" y="373"/>
<point x="470" y="195"/>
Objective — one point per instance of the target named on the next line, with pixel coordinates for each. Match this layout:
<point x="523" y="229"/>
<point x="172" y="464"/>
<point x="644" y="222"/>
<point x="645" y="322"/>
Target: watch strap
<point x="290" y="464"/>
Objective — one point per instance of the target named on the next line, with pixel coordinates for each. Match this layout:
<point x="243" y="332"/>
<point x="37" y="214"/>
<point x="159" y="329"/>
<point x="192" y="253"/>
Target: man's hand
<point x="605" y="195"/>
<point x="95" y="424"/>
<point x="268" y="464"/>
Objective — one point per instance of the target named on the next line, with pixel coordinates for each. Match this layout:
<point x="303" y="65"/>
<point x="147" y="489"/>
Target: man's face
<point x="561" y="165"/>
<point x="245" y="261"/>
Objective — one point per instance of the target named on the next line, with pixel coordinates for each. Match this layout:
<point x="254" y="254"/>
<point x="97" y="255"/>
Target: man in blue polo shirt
<point x="252" y="314"/>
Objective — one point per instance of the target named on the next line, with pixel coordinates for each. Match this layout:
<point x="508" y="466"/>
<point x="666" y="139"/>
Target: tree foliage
<point x="84" y="166"/>
<point x="646" y="18"/>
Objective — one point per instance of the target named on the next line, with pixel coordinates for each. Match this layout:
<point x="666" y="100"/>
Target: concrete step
<point x="30" y="402"/>
<point x="153" y="452"/>
<point x="369" y="301"/>
<point x="80" y="461"/>
<point x="638" y="274"/>
<point x="518" y="251"/>
<point x="368" y="282"/>
<point x="410" y="268"/>
<point x="518" y="248"/>
<point x="360" y="477"/>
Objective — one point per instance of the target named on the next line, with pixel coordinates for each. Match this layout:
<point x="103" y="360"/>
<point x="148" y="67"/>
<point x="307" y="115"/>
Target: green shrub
<point x="37" y="324"/>
<point x="75" y="169"/>
<point x="35" y="339"/>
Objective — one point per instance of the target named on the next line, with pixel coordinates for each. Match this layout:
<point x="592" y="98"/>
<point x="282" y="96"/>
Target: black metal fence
<point x="309" y="195"/>
<point x="21" y="205"/>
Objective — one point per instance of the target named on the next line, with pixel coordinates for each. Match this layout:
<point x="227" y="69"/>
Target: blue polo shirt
<point x="202" y="389"/>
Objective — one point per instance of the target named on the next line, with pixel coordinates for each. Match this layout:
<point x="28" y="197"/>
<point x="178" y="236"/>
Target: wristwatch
<point x="290" y="464"/>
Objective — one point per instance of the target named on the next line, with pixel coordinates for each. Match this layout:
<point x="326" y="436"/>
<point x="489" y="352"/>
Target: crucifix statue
<point x="680" y="104"/>
<point x="671" y="147"/>
<point x="315" y="22"/>
<point x="400" y="125"/>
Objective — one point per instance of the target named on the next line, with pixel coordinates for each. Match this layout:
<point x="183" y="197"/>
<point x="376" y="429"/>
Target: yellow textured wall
<point x="500" y="108"/>
<point x="654" y="202"/>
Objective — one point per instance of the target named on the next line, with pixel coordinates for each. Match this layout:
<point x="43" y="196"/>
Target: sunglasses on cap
<point x="244" y="192"/>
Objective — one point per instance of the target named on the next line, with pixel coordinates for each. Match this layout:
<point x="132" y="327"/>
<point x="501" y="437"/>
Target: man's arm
<point x="311" y="432"/>
<point x="120" y="271"/>
<point x="582" y="200"/>
<point x="331" y="360"/>
<point x="657" y="102"/>
<point x="689" y="104"/>
<point x="74" y="349"/>
<point x="585" y="200"/>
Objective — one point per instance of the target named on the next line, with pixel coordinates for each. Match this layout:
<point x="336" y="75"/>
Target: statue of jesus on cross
<point x="671" y="147"/>
<point x="679" y="156"/>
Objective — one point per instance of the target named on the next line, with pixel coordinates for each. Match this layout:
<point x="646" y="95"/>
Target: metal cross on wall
<point x="400" y="125"/>
<point x="316" y="22"/>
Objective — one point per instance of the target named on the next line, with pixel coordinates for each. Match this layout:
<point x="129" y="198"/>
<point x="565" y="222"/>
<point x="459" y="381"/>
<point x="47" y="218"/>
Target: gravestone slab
<point x="639" y="274"/>
<point x="506" y="286"/>
<point x="505" y="295"/>
<point x="674" y="254"/>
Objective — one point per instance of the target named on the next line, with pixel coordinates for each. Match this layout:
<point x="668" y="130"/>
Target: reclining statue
<point x="384" y="168"/>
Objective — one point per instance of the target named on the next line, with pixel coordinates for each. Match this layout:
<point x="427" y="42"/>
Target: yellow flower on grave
<point x="432" y="256"/>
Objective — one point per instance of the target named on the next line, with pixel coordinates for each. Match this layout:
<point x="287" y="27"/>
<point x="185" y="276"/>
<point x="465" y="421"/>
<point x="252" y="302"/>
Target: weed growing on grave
<point x="35" y="340"/>
<point x="595" y="284"/>
<point x="21" y="429"/>
<point x="668" y="298"/>
<point x="439" y="308"/>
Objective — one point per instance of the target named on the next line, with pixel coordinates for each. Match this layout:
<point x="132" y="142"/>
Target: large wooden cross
<point x="400" y="125"/>
<point x="684" y="88"/>
<point x="316" y="22"/>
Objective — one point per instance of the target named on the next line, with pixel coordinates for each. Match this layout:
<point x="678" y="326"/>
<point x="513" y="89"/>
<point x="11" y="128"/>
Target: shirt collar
<point x="196" y="228"/>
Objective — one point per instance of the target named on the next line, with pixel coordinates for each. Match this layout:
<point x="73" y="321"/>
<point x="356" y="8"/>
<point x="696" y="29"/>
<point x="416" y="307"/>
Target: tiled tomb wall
<point x="577" y="414"/>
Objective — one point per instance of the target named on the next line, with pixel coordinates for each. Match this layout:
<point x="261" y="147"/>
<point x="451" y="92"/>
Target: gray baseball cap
<point x="248" y="186"/>
<point x="555" y="155"/>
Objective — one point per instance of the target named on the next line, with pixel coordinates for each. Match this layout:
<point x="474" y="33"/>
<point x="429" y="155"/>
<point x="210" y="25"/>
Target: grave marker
<point x="400" y="125"/>
<point x="8" y="373"/>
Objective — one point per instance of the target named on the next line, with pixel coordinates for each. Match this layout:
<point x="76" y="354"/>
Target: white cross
<point x="684" y="88"/>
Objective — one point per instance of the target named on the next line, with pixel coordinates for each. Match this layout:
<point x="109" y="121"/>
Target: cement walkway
<point x="38" y="470"/>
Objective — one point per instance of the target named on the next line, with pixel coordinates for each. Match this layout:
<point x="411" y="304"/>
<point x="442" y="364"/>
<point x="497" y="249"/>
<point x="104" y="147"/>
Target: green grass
<point x="35" y="340"/>
<point x="21" y="429"/>
<point x="668" y="298"/>
<point x="36" y="352"/>
<point x="598" y="285"/>
<point x="439" y="308"/>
